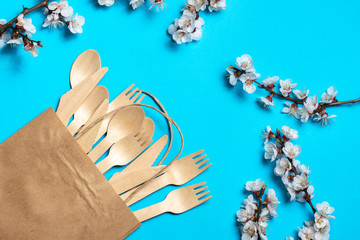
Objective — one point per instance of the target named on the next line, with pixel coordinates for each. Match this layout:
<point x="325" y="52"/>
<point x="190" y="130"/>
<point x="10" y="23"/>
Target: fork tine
<point x="200" y="164"/>
<point x="193" y="155"/>
<point x="131" y="93"/>
<point x="132" y="100"/>
<point x="197" y="160"/>
<point x="197" y="185"/>
<point x="127" y="90"/>
<point x="140" y="99"/>
<point x="203" y="194"/>
<point x="204" y="200"/>
<point x="200" y="189"/>
<point x="204" y="168"/>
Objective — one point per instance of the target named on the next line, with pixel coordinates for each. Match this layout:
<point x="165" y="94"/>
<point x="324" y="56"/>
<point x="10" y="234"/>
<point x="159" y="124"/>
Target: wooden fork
<point x="128" y="148"/>
<point x="127" y="97"/>
<point x="177" y="201"/>
<point x="179" y="173"/>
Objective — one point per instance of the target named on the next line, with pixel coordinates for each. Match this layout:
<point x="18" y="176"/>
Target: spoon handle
<point x="104" y="165"/>
<point x="100" y="149"/>
<point x="151" y="187"/>
<point x="151" y="211"/>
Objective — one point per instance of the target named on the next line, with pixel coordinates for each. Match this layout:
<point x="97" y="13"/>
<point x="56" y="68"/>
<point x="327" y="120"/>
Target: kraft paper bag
<point x="50" y="189"/>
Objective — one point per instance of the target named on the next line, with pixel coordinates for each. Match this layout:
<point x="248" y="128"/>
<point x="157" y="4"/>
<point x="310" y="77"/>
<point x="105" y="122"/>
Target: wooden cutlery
<point x="128" y="135"/>
<point x="84" y="65"/>
<point x="123" y="123"/>
<point x="128" y="148"/>
<point x="71" y="101"/>
<point x="127" y="97"/>
<point x="88" y="108"/>
<point x="123" y="182"/>
<point x="86" y="137"/>
<point x="177" y="201"/>
<point x="179" y="173"/>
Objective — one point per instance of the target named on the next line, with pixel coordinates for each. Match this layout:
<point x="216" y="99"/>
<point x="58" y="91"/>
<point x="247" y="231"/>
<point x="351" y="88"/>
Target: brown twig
<point x="260" y="203"/>
<point x="293" y="169"/>
<point x="25" y="11"/>
<point x="322" y="106"/>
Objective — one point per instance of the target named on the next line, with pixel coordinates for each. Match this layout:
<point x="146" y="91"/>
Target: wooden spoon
<point x="87" y="108"/>
<point x="84" y="65"/>
<point x="122" y="124"/>
<point x="128" y="148"/>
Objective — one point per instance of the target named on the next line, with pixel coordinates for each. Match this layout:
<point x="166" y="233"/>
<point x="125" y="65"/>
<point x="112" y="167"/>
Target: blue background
<point x="316" y="43"/>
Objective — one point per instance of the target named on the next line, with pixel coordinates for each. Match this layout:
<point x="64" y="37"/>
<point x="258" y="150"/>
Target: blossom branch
<point x="295" y="178"/>
<point x="19" y="30"/>
<point x="24" y="12"/>
<point x="253" y="214"/>
<point x="310" y="106"/>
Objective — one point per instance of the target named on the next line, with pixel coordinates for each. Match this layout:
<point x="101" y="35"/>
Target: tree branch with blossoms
<point x="311" y="107"/>
<point x="295" y="177"/>
<point x="19" y="30"/>
<point x="253" y="214"/>
<point x="188" y="27"/>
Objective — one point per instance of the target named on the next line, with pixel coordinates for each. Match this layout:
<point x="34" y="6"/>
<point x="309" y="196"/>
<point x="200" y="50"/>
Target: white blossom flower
<point x="26" y="24"/>
<point x="245" y="62"/>
<point x="197" y="32"/>
<point x="323" y="233"/>
<point x="311" y="104"/>
<point x="289" y="238"/>
<point x="15" y="41"/>
<point x="254" y="186"/>
<point x="271" y="151"/>
<point x="286" y="87"/>
<point x="306" y="233"/>
<point x="320" y="221"/>
<point x="324" y="209"/>
<point x="32" y="48"/>
<point x="289" y="133"/>
<point x="303" y="114"/>
<point x="300" y="197"/>
<point x="76" y="23"/>
<point x="249" y="201"/>
<point x="270" y="81"/>
<point x="300" y="182"/>
<point x="329" y="96"/>
<point x="263" y="218"/>
<point x="249" y="231"/>
<point x="291" y="192"/>
<point x="187" y="21"/>
<point x="323" y="118"/>
<point x="247" y="79"/>
<point x="283" y="165"/>
<point x="217" y="5"/>
<point x="245" y="213"/>
<point x="61" y="8"/>
<point x="301" y="94"/>
<point x="233" y="78"/>
<point x="108" y="3"/>
<point x="136" y="3"/>
<point x="5" y="36"/>
<point x="181" y="36"/>
<point x="267" y="134"/>
<point x="199" y="5"/>
<point x="266" y="102"/>
<point x="157" y="3"/>
<point x="52" y="20"/>
<point x="272" y="202"/>
<point x="291" y="150"/>
<point x="291" y="109"/>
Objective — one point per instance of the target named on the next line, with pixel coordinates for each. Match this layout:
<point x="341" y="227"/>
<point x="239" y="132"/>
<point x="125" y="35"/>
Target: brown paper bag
<point x="50" y="189"/>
